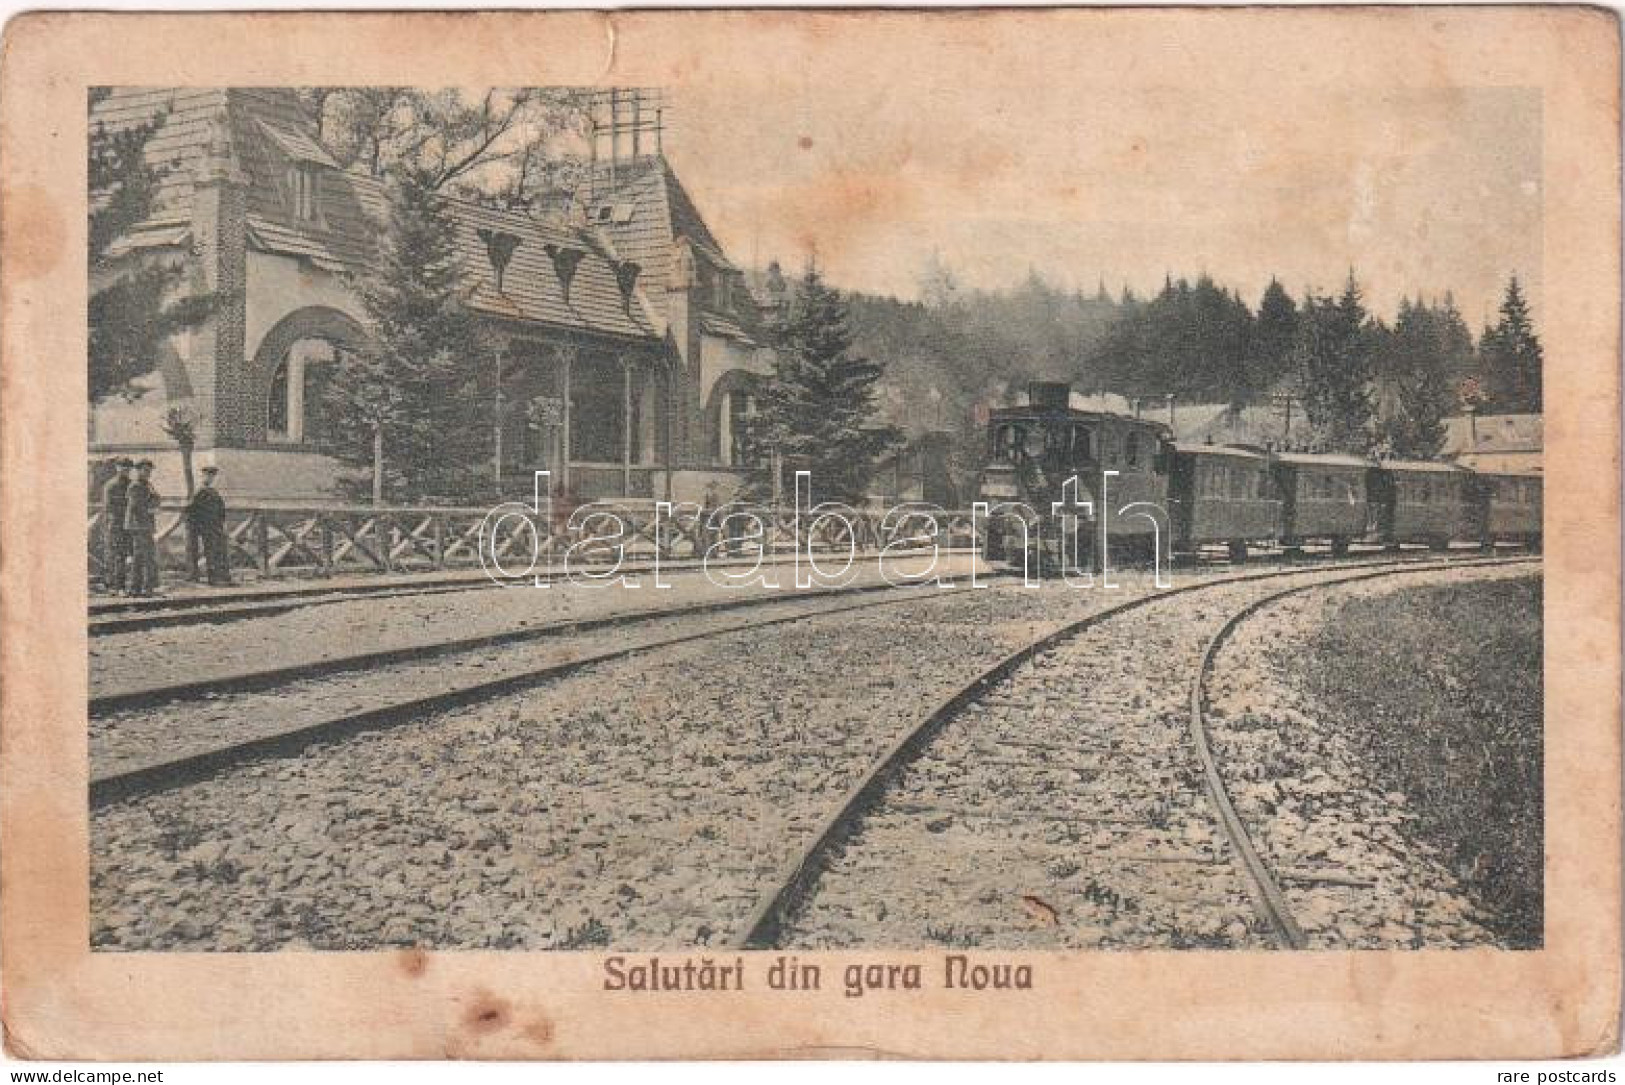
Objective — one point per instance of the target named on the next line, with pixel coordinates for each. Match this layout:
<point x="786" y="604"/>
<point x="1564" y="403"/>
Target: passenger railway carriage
<point x="1324" y="498"/>
<point x="1418" y="502"/>
<point x="1222" y="494"/>
<point x="1509" y="508"/>
<point x="1186" y="496"/>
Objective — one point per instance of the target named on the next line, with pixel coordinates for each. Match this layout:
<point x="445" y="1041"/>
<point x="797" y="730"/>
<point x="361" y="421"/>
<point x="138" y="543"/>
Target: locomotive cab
<point x="1033" y="453"/>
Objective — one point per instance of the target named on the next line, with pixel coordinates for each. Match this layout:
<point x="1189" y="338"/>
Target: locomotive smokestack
<point x="1049" y="395"/>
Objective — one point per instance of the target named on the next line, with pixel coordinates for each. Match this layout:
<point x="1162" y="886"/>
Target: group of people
<point x="130" y="515"/>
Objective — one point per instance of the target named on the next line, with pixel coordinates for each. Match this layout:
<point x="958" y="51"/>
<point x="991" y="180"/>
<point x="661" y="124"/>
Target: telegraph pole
<point x="497" y="443"/>
<point x="1285" y="401"/>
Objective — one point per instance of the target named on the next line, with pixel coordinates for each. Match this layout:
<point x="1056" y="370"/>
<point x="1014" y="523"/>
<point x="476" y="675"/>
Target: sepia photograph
<point x="850" y="520"/>
<point x="1224" y="682"/>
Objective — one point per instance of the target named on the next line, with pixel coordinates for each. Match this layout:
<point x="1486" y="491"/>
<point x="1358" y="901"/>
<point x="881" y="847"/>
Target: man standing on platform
<point x="116" y="552"/>
<point x="140" y="521"/>
<point x="206" y="516"/>
<point x="708" y="535"/>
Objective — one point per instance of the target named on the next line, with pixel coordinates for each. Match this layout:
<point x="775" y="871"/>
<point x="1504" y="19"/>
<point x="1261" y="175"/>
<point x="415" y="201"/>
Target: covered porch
<point x="598" y="415"/>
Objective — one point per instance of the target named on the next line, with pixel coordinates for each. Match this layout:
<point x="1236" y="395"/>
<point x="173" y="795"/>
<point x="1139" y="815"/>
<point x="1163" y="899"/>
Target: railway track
<point x="619" y="804"/>
<point x="113" y="616"/>
<point x="131" y="777"/>
<point x="222" y="746"/>
<point x="134" y="616"/>
<point x="153" y="695"/>
<point x="798" y="882"/>
<point x="110" y="616"/>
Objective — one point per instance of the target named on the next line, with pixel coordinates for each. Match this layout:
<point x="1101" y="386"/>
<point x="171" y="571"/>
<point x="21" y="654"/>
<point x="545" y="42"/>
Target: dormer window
<point x="565" y="259"/>
<point x="302" y="191"/>
<point x="305" y="157"/>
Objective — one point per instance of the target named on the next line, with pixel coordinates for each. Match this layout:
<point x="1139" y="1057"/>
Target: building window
<point x="302" y="191"/>
<point x="733" y="428"/>
<point x="276" y="407"/>
<point x="1083" y="445"/>
<point x="740" y="408"/>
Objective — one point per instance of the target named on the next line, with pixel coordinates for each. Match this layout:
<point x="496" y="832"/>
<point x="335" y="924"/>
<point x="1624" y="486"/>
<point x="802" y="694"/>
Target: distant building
<point x="919" y="471"/>
<point x="629" y="342"/>
<point x="1264" y="425"/>
<point x="1496" y="442"/>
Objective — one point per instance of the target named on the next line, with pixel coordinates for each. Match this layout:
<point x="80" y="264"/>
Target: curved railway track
<point x="798" y="881"/>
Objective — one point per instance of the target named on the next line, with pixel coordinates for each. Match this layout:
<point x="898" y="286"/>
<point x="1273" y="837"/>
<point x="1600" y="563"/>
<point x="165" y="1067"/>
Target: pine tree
<point x="1415" y="361"/>
<point x="407" y="405"/>
<point x="1457" y="356"/>
<point x="1274" y="334"/>
<point x="132" y="305"/>
<point x="1511" y="356"/>
<point x="1335" y="357"/>
<point x="816" y="411"/>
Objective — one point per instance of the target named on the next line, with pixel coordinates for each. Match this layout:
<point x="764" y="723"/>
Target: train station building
<point x="629" y="345"/>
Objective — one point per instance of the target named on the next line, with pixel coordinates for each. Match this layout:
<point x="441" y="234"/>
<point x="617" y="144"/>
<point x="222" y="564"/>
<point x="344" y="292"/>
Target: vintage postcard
<point x="1036" y="534"/>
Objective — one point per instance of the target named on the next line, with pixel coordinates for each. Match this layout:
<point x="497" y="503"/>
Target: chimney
<point x="1049" y="395"/>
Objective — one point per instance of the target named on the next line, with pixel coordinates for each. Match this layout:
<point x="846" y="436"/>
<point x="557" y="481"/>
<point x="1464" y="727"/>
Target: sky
<point x="999" y="172"/>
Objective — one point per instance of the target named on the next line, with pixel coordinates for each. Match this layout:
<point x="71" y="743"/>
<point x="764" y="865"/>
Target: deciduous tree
<point x="510" y="146"/>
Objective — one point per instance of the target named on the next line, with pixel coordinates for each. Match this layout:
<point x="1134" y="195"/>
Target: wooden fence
<point x="340" y="540"/>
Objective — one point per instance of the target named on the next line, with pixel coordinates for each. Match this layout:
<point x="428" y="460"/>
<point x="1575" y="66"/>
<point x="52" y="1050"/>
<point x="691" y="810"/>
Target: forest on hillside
<point x="1364" y="380"/>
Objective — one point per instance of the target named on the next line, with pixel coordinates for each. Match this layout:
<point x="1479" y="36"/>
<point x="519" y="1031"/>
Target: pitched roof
<point x="532" y="288"/>
<point x="1254" y="424"/>
<point x="1420" y="467"/>
<point x="1322" y="459"/>
<point x="1494" y="433"/>
<point x="268" y="131"/>
<point x="726" y="328"/>
<point x="644" y="209"/>
<point x="299" y="146"/>
<point x="1232" y="451"/>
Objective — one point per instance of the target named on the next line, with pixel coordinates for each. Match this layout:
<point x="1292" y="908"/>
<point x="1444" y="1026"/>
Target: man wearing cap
<point x="206" y="516"/>
<point x="116" y="552"/>
<point x="140" y="520"/>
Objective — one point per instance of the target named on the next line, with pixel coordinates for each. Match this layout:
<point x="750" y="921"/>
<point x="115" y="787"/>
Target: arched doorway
<point x="734" y="399"/>
<point x="290" y="372"/>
